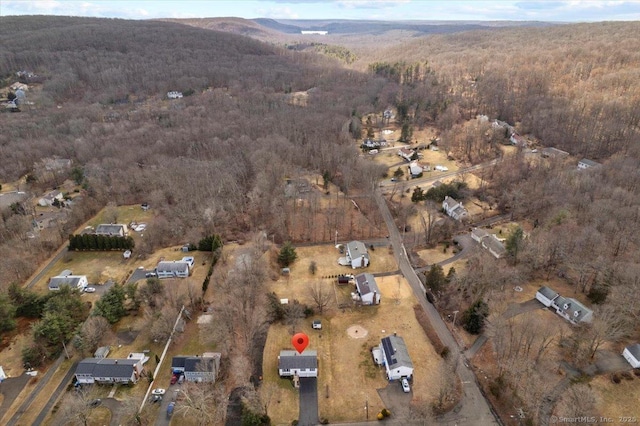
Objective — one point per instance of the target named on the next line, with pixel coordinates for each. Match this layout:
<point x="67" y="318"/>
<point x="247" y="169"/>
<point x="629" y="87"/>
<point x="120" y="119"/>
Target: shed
<point x="632" y="354"/>
<point x="102" y="352"/>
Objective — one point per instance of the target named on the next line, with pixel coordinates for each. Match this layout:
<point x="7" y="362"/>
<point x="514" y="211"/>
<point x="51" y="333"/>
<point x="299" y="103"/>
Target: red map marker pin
<point x="300" y="341"/>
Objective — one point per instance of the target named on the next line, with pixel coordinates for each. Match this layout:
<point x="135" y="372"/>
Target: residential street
<point x="473" y="408"/>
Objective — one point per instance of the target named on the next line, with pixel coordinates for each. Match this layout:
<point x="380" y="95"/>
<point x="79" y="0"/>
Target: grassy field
<point x="346" y="369"/>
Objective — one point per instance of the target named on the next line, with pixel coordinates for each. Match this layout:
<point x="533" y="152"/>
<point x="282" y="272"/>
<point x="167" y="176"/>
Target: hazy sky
<point x="542" y="10"/>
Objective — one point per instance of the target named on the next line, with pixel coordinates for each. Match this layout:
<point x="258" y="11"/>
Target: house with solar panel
<point x="395" y="358"/>
<point x="292" y="363"/>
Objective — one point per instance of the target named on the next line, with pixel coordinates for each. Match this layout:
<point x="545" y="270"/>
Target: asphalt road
<point x="32" y="396"/>
<point x="473" y="408"/>
<point x="56" y="394"/>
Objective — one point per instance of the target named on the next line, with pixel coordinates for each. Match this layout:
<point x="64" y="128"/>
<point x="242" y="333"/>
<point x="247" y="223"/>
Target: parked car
<point x="150" y="275"/>
<point x="158" y="392"/>
<point x="170" y="409"/>
<point x="317" y="325"/>
<point x="156" y="398"/>
<point x="89" y="289"/>
<point x="174" y="379"/>
<point x="405" y="386"/>
<point x="181" y="379"/>
<point x="94" y="403"/>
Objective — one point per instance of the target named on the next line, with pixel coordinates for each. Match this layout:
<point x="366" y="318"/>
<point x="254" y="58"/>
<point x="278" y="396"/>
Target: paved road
<point x="308" y="412"/>
<point x="32" y="396"/>
<point x="10" y="388"/>
<point x="434" y="176"/>
<point x="56" y="394"/>
<point x="473" y="408"/>
<point x="61" y="252"/>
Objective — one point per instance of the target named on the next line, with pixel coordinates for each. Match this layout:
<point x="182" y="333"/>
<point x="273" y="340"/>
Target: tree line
<point x="80" y="242"/>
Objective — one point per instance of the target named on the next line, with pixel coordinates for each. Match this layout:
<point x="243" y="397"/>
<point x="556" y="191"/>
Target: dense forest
<point x="218" y="158"/>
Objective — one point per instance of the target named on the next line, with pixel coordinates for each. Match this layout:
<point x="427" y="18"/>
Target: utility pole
<point x="366" y="407"/>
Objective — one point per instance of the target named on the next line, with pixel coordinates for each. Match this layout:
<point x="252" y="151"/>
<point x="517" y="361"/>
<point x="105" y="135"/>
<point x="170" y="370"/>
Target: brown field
<point x="346" y="370"/>
<point x="617" y="400"/>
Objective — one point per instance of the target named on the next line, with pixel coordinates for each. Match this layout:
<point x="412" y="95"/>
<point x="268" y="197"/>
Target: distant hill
<point x="353" y="27"/>
<point x="114" y="58"/>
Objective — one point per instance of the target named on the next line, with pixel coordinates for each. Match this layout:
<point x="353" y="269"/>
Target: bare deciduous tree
<point x="321" y="295"/>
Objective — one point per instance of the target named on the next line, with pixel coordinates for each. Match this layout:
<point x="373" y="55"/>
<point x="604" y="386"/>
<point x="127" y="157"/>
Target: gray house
<point x="197" y="369"/>
<point x="367" y="289"/>
<point x="356" y="255"/>
<point x="395" y="358"/>
<point x="174" y="269"/>
<point x="112" y="229"/>
<point x="291" y="363"/>
<point x="108" y="370"/>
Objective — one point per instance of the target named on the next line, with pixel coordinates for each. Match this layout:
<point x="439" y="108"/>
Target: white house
<point x="174" y="94"/>
<point x="367" y="289"/>
<point x="406" y="153"/>
<point x="416" y="169"/>
<point x="197" y="369"/>
<point x="494" y="245"/>
<point x="632" y="355"/>
<point x="395" y="358"/>
<point x="112" y="229"/>
<point x="572" y="310"/>
<point x="174" y="269"/>
<point x="49" y="198"/>
<point x="109" y="370"/>
<point x="74" y="281"/>
<point x="478" y="234"/>
<point x="356" y="255"/>
<point x="546" y="296"/>
<point x="453" y="208"/>
<point x="587" y="164"/>
<point x="292" y="363"/>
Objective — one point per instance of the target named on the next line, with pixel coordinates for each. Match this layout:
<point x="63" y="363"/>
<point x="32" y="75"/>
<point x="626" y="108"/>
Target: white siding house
<point x="291" y="363"/>
<point x="74" y="281"/>
<point x="395" y="358"/>
<point x="453" y="208"/>
<point x="49" y="198"/>
<point x="585" y="163"/>
<point x="632" y="355"/>
<point x="109" y="370"/>
<point x="112" y="229"/>
<point x="367" y="289"/>
<point x="546" y="296"/>
<point x="356" y="255"/>
<point x="175" y="269"/>
<point x="572" y="310"/>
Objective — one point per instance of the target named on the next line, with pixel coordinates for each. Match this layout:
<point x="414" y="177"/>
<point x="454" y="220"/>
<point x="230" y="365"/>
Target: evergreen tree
<point x="514" y="243"/>
<point x="474" y="317"/>
<point x="111" y="305"/>
<point x="435" y="278"/>
<point x="287" y="255"/>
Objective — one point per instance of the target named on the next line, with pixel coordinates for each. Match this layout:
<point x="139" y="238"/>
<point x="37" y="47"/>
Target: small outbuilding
<point x="632" y="355"/>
